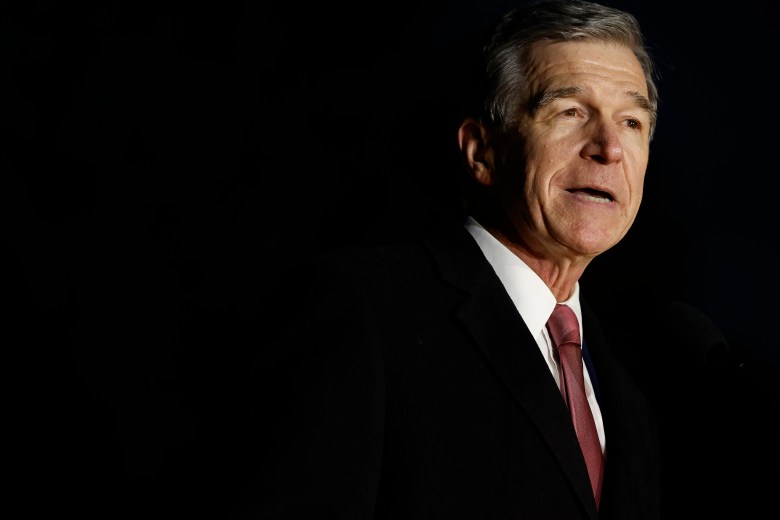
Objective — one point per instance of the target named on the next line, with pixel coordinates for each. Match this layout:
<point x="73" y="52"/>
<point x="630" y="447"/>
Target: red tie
<point x="565" y="333"/>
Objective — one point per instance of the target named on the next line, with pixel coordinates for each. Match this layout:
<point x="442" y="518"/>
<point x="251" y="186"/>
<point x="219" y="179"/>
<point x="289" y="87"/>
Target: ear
<point x="475" y="150"/>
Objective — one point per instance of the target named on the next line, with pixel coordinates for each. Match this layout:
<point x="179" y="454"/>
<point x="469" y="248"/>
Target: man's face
<point x="585" y="146"/>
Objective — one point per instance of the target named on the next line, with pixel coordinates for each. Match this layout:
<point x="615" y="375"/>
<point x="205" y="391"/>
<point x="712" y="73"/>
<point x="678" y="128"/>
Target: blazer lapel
<point x="497" y="329"/>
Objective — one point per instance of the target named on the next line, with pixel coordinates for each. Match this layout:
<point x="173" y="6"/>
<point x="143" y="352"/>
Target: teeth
<point x="593" y="198"/>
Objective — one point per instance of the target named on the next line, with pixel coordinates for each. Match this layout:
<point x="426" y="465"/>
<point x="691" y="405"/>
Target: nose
<point x="603" y="143"/>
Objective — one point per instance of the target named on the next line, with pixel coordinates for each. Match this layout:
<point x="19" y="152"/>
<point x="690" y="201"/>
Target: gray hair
<point x="504" y="58"/>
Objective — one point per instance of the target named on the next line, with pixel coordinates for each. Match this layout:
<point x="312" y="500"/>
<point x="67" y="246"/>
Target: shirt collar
<point x="531" y="296"/>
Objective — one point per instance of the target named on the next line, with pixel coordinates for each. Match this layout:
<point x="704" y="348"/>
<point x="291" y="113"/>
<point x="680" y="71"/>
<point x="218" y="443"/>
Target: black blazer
<point x="412" y="389"/>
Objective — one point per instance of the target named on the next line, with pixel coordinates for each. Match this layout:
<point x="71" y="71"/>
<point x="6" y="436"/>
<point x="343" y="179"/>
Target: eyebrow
<point x="643" y="103"/>
<point x="548" y="96"/>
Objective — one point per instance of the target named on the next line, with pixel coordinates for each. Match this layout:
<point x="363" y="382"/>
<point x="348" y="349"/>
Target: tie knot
<point x="563" y="325"/>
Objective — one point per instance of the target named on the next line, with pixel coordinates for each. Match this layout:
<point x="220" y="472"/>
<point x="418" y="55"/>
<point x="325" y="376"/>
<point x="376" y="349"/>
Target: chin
<point x="594" y="246"/>
<point x="596" y="239"/>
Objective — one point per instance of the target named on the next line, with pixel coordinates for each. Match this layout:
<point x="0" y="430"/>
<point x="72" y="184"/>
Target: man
<point x="424" y="381"/>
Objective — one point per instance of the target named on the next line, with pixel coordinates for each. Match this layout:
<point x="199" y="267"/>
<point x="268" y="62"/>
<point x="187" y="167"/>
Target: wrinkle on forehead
<point x="556" y="67"/>
<point x="604" y="59"/>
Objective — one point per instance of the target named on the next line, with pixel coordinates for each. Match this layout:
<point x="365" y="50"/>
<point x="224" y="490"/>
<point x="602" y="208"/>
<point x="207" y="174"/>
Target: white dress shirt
<point x="535" y="303"/>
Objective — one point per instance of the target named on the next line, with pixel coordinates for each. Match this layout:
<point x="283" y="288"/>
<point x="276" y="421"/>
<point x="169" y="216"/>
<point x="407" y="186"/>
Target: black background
<point x="164" y="162"/>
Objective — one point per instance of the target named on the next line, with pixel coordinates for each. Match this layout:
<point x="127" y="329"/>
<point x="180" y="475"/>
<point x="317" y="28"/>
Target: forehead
<point x="596" y="63"/>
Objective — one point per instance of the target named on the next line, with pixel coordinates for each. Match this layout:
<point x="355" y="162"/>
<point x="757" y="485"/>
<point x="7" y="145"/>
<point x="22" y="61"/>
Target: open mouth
<point x="592" y="194"/>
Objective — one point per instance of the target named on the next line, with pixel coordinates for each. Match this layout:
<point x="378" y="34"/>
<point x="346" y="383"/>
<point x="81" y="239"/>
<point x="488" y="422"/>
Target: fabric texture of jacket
<point x="412" y="389"/>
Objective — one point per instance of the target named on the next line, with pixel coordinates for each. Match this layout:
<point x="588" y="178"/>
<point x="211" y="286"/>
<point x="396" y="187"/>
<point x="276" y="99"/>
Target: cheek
<point x="637" y="157"/>
<point x="546" y="158"/>
<point x="637" y="186"/>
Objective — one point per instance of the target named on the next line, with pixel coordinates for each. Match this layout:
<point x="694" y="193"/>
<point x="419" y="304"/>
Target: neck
<point x="560" y="273"/>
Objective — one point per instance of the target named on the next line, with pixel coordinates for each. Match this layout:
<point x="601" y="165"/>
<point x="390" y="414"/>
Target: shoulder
<point x="415" y="259"/>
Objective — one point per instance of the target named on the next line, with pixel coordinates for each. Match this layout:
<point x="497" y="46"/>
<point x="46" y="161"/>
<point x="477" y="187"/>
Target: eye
<point x="634" y="123"/>
<point x="569" y="112"/>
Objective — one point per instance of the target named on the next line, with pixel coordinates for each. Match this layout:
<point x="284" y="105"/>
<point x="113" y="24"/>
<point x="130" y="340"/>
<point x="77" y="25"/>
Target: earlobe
<point x="476" y="153"/>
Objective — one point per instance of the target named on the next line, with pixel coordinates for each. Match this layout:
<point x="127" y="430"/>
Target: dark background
<point x="163" y="163"/>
